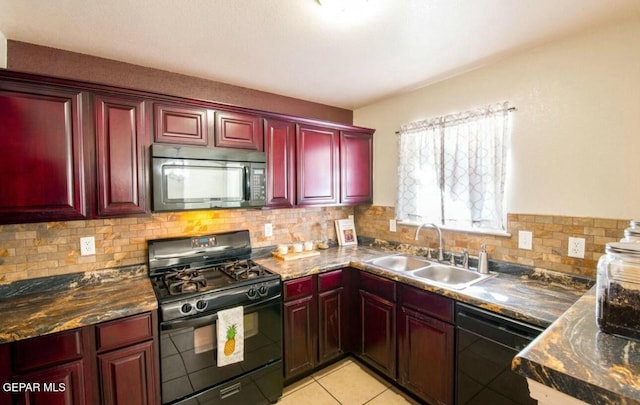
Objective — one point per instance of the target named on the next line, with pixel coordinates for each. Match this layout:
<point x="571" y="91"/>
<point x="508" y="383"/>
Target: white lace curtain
<point x="452" y="169"/>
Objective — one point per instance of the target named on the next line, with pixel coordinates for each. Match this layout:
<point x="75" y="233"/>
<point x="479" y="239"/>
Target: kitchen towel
<point x="230" y="336"/>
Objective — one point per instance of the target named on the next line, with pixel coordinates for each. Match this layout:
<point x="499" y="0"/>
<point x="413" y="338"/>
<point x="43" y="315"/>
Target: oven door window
<point x="189" y="355"/>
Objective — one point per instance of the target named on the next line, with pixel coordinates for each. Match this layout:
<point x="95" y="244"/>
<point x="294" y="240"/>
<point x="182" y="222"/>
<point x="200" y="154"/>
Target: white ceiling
<point x="297" y="48"/>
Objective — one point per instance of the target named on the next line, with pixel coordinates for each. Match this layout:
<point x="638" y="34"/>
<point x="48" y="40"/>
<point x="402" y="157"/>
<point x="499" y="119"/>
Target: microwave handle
<point x="247" y="183"/>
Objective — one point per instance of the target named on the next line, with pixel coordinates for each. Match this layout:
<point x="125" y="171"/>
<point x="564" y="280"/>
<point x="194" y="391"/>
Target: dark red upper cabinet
<point x="182" y="124"/>
<point x="120" y="149"/>
<point x="356" y="168"/>
<point x="44" y="167"/>
<point x="317" y="165"/>
<point x="238" y="130"/>
<point x="280" y="148"/>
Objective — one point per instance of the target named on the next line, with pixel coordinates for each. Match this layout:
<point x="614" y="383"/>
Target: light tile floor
<point x="345" y="382"/>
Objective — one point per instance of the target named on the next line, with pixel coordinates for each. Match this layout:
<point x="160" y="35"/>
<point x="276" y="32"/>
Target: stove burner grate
<point x="242" y="269"/>
<point x="185" y="280"/>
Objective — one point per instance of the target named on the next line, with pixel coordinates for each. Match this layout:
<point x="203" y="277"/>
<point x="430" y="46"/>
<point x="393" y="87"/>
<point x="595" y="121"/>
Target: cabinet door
<point x="280" y="149"/>
<point x="356" y="168"/>
<point x="317" y="165"/>
<point x="44" y="167"/>
<point x="378" y="332"/>
<point x="331" y="328"/>
<point x="237" y="130"/>
<point x="63" y="384"/>
<point x="120" y="147"/>
<point x="299" y="336"/>
<point x="426" y="362"/>
<point x="182" y="124"/>
<point x="5" y="371"/>
<point x="127" y="375"/>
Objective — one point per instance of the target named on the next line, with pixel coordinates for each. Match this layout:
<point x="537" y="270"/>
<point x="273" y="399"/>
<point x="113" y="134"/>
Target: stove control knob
<point x="186" y="308"/>
<point x="201" y="305"/>
<point x="263" y="290"/>
<point x="252" y="294"/>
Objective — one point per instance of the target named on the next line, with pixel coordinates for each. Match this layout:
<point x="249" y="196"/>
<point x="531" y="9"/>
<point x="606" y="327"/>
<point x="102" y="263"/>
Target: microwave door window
<point x="203" y="183"/>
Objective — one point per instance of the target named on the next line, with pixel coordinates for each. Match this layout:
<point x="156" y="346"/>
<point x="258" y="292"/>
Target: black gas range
<point x="194" y="278"/>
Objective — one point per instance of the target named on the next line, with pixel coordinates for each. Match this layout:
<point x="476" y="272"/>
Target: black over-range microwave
<point x="191" y="178"/>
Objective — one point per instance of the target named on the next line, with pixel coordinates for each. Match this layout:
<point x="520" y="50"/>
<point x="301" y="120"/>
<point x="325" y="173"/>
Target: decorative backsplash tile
<point x="550" y="238"/>
<point x="53" y="248"/>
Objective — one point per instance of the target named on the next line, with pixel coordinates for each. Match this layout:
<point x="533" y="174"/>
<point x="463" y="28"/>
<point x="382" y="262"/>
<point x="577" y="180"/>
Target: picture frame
<point x="346" y="232"/>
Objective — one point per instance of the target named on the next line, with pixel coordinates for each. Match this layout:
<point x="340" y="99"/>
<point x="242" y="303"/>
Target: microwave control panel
<point x="258" y="184"/>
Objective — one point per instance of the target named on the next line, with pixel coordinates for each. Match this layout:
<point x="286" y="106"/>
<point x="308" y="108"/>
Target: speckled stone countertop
<point x="537" y="297"/>
<point x="38" y="307"/>
<point x="574" y="357"/>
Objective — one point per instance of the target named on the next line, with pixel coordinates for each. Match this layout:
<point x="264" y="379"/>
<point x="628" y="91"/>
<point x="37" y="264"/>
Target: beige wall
<point x="3" y="51"/>
<point x="576" y="132"/>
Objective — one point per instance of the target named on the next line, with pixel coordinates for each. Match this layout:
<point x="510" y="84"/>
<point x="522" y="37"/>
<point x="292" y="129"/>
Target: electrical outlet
<point x="525" y="240"/>
<point x="351" y="217"/>
<point x="576" y="248"/>
<point x="87" y="246"/>
<point x="392" y="225"/>
<point x="268" y="230"/>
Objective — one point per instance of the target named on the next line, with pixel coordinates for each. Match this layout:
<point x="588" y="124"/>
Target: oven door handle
<point x="208" y="319"/>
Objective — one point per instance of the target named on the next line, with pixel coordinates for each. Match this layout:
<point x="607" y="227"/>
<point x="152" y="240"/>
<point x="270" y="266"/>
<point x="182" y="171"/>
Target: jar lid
<point x="623" y="248"/>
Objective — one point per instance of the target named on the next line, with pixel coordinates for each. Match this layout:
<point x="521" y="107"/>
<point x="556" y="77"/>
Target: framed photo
<point x="346" y="231"/>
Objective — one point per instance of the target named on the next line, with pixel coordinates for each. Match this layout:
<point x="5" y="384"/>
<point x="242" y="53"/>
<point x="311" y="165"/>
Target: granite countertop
<point x="574" y="357"/>
<point x="42" y="306"/>
<point x="537" y="297"/>
<point x="571" y="356"/>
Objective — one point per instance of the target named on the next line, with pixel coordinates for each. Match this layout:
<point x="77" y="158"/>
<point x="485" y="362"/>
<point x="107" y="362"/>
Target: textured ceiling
<point x="298" y="48"/>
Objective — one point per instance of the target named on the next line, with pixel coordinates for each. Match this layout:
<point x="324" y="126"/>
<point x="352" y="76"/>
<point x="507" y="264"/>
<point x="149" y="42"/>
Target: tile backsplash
<point x="52" y="248"/>
<point x="550" y="238"/>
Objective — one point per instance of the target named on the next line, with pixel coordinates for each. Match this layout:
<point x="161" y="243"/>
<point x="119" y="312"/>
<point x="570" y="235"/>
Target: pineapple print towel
<point x="230" y="336"/>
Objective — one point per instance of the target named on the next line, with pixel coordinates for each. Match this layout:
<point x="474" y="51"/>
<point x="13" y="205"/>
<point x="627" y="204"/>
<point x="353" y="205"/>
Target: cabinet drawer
<point x="379" y="286"/>
<point x="427" y="303"/>
<point x="329" y="281"/>
<point x="47" y="350"/>
<point x="298" y="288"/>
<point x="124" y="332"/>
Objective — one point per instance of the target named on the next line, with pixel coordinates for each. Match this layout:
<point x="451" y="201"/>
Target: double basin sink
<point x="440" y="274"/>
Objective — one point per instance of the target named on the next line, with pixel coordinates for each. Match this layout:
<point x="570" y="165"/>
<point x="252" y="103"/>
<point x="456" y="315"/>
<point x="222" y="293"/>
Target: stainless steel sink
<point x="400" y="263"/>
<point x="449" y="276"/>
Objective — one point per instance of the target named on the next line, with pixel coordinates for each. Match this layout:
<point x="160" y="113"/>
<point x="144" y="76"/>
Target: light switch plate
<point x="525" y="240"/>
<point x="268" y="230"/>
<point x="392" y="225"/>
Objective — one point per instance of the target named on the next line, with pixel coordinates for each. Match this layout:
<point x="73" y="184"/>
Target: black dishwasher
<point x="486" y="344"/>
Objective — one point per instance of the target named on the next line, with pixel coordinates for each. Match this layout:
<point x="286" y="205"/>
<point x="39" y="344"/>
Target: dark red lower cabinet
<point x="63" y="384"/>
<point x="299" y="336"/>
<point x="113" y="362"/>
<point x="314" y="321"/>
<point x="378" y="322"/>
<point x="127" y="375"/>
<point x="426" y="344"/>
<point x="425" y="356"/>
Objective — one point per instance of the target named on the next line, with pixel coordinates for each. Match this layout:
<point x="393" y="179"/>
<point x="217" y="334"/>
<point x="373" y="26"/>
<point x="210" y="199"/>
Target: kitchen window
<point x="452" y="169"/>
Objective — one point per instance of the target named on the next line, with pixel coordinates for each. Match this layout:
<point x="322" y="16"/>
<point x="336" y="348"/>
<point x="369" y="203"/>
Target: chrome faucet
<point x="440" y="247"/>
